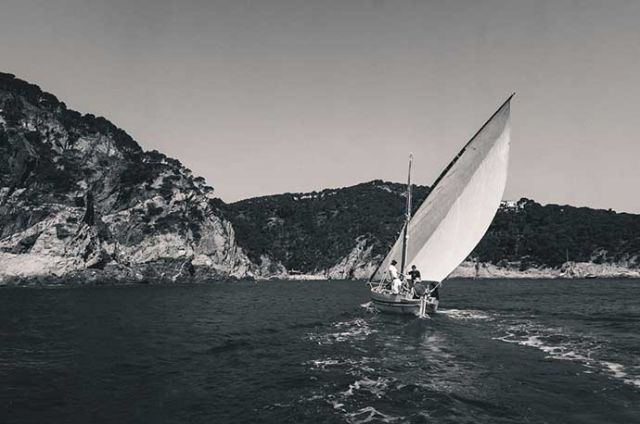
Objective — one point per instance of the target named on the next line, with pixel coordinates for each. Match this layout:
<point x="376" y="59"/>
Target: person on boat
<point x="395" y="277"/>
<point x="415" y="276"/>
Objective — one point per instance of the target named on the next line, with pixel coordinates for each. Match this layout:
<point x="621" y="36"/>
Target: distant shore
<point x="467" y="270"/>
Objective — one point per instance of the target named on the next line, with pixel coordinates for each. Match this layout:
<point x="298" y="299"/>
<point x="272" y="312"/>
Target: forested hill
<point x="552" y="234"/>
<point x="312" y="231"/>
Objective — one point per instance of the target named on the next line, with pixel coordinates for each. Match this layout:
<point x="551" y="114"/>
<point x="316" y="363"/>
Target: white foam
<point x="565" y="347"/>
<point x="521" y="335"/>
<point x="323" y="364"/>
<point x="337" y="405"/>
<point x="465" y="314"/>
<point x="376" y="387"/>
<point x="356" y="329"/>
<point x="368" y="306"/>
<point x="617" y="370"/>
<point x="633" y="381"/>
<point x="369" y="414"/>
<point x="354" y="366"/>
<point x="620" y="372"/>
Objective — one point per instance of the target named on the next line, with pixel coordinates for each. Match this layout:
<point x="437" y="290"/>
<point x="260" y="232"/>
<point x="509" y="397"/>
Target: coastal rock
<point x="78" y="193"/>
<point x="359" y="264"/>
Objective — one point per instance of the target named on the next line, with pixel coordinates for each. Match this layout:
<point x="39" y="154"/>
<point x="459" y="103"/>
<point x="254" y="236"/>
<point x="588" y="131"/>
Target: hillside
<point x="311" y="232"/>
<point x="550" y="235"/>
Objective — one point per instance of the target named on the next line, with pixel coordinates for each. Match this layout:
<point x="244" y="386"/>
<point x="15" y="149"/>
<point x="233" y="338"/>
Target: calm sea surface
<point x="500" y="352"/>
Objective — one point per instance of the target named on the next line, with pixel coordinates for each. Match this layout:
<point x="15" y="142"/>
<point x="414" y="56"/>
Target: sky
<point x="273" y="96"/>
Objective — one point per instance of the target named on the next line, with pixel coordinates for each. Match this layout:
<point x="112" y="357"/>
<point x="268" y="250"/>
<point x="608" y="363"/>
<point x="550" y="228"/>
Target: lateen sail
<point x="464" y="199"/>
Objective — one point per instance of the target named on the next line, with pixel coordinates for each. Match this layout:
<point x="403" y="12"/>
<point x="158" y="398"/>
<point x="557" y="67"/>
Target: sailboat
<point x="450" y="222"/>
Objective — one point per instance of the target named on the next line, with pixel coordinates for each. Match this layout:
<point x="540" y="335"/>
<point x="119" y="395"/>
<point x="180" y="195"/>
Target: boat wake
<point x="376" y="387"/>
<point x="368" y="306"/>
<point x="465" y="314"/>
<point x="370" y="414"/>
<point x="363" y="385"/>
<point x="355" y="402"/>
<point x="350" y="366"/>
<point x="558" y="344"/>
<point x="353" y="330"/>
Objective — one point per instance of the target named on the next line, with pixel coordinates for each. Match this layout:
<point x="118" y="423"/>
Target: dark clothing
<point x="414" y="274"/>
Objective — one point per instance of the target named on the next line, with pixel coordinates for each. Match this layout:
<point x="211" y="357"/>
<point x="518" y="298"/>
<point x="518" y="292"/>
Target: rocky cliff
<point x="79" y="198"/>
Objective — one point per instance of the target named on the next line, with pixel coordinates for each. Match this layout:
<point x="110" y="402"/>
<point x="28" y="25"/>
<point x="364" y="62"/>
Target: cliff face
<point x="78" y="194"/>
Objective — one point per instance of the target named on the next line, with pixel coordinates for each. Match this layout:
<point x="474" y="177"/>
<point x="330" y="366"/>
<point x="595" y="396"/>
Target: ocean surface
<point x="275" y="352"/>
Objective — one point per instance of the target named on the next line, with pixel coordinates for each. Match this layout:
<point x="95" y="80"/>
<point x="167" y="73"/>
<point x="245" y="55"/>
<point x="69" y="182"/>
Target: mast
<point x="405" y="232"/>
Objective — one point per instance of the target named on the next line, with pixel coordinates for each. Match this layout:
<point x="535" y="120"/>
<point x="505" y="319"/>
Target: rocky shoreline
<point x="183" y="272"/>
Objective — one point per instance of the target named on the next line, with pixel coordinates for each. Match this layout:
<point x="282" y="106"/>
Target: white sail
<point x="464" y="199"/>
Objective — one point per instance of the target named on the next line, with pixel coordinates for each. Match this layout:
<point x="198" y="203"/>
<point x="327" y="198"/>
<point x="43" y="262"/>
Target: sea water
<point x="497" y="352"/>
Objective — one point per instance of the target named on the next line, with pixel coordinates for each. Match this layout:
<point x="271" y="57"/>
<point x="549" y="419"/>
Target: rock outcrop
<point x="78" y="196"/>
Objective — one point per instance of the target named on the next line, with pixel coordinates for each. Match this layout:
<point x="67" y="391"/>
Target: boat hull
<point x="399" y="303"/>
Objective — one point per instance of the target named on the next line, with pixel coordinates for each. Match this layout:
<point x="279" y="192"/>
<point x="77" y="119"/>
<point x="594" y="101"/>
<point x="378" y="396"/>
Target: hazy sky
<point x="266" y="96"/>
